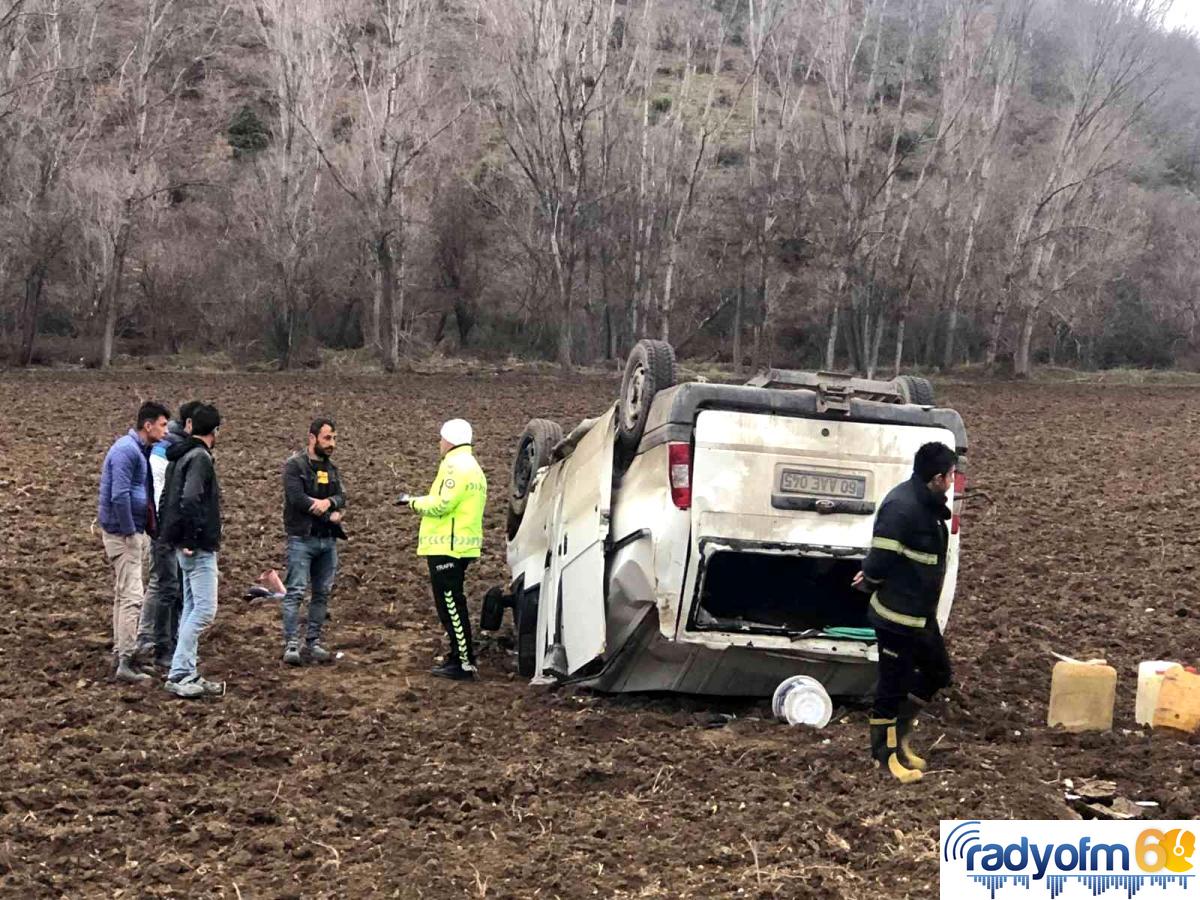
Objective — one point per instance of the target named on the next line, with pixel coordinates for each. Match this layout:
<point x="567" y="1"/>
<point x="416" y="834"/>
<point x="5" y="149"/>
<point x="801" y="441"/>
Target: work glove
<point x="864" y="584"/>
<point x="404" y="499"/>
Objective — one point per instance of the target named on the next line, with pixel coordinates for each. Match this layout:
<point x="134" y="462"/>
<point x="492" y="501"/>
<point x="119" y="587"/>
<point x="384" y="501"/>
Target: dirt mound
<point x="372" y="779"/>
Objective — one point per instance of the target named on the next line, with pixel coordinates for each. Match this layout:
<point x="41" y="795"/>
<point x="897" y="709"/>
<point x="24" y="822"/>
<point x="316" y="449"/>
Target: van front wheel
<point x="533" y="452"/>
<point x="526" y="614"/>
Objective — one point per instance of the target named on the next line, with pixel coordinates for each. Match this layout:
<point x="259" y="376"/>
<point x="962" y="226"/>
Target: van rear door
<point x="776" y="484"/>
<point x="577" y="543"/>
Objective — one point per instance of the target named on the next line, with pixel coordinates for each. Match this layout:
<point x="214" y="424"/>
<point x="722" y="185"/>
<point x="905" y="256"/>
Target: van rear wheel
<point x="915" y="390"/>
<point x="649" y="369"/>
<point x="533" y="452"/>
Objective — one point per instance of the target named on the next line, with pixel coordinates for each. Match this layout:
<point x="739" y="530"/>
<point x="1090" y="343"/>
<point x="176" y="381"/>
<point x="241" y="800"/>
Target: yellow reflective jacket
<point x="452" y="512"/>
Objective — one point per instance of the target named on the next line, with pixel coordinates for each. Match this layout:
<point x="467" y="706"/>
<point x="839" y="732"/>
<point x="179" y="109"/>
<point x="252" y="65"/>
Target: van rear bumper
<point x="733" y="665"/>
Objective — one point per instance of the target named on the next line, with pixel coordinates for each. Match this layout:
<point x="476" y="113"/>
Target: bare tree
<point x="398" y="111"/>
<point x="143" y="101"/>
<point x="299" y="37"/>
<point x="985" y="127"/>
<point x="554" y="56"/>
<point x="1111" y="81"/>
<point x="51" y="50"/>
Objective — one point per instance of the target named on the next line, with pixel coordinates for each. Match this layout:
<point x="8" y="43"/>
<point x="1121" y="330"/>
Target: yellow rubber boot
<point x="904" y="729"/>
<point x="906" y="721"/>
<point x="885" y="747"/>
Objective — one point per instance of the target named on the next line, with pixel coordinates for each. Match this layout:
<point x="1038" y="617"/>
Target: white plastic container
<point x="1150" y="679"/>
<point x="802" y="700"/>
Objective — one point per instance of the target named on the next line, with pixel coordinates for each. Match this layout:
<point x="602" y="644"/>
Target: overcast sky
<point x="1185" y="13"/>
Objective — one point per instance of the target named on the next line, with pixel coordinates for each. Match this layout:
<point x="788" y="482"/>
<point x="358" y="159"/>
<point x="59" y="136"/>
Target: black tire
<point x="491" y="617"/>
<point x="525" y="614"/>
<point x="649" y="369"/>
<point x="915" y="390"/>
<point x="533" y="451"/>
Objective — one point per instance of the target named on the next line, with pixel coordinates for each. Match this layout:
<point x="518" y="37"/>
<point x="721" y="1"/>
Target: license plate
<point x="823" y="484"/>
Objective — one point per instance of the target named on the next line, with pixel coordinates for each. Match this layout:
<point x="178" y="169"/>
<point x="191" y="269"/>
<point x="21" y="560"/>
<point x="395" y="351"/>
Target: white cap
<point x="457" y="432"/>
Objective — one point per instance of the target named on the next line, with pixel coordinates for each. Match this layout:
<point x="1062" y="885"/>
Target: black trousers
<point x="447" y="575"/>
<point x="163" y="606"/>
<point x="911" y="661"/>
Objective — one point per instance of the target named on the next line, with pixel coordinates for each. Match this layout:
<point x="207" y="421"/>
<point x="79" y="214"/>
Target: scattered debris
<point x="1097" y="799"/>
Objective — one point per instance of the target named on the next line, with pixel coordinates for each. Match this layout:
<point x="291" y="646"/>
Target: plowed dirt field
<point x="370" y="778"/>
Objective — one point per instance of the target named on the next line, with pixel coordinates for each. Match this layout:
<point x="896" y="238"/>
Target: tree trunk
<point x="764" y="299"/>
<point x="1021" y="366"/>
<point x="610" y="333"/>
<point x="993" y="344"/>
<point x="385" y="293"/>
<point x="951" y="334"/>
<point x="378" y="303"/>
<point x="901" y="321"/>
<point x="464" y="318"/>
<point x="289" y="325"/>
<point x="396" y="308"/>
<point x="831" y="344"/>
<point x="664" y="325"/>
<point x="30" y="308"/>
<point x="876" y="342"/>
<point x="738" y="304"/>
<point x="112" y="293"/>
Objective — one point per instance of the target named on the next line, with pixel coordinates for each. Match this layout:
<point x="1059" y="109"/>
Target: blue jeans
<point x="312" y="560"/>
<point x="199" y="609"/>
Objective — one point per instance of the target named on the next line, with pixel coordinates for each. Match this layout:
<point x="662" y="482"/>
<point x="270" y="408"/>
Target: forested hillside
<point x="859" y="184"/>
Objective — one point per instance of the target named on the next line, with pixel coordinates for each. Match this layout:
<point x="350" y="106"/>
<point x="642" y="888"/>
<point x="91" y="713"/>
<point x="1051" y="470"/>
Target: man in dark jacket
<point x="128" y="520"/>
<point x="313" y="504"/>
<point x="191" y="523"/>
<point x="164" y="591"/>
<point x="904" y="571"/>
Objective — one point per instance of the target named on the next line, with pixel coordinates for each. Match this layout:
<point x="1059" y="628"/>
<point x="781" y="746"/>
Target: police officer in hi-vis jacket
<point x="451" y="536"/>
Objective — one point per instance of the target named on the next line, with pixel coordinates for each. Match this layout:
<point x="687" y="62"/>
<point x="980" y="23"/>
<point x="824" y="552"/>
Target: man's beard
<point x="321" y="452"/>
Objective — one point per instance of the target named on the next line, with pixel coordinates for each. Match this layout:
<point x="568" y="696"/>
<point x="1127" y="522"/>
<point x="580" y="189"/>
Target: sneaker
<point x="188" y="688"/>
<point x="291" y="654"/>
<point x="319" y="654"/>
<point x="452" y="670"/>
<point x="212" y="688"/>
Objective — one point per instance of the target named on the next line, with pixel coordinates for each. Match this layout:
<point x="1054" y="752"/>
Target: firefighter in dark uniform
<point x="903" y="572"/>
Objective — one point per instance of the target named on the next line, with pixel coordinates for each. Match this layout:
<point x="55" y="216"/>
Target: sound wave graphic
<point x="958" y="840"/>
<point x="1097" y="884"/>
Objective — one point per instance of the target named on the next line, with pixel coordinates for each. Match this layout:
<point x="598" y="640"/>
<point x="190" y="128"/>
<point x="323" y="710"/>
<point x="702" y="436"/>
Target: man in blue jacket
<point x="128" y="519"/>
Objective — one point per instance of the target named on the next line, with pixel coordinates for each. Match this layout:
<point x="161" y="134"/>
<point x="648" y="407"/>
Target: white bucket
<point x="802" y="700"/>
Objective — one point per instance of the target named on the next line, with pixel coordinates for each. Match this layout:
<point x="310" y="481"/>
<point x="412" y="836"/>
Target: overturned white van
<point x="702" y="538"/>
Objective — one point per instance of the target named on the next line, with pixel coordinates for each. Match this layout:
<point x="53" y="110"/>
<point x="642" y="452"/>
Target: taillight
<point x="679" y="458"/>
<point x="960" y="492"/>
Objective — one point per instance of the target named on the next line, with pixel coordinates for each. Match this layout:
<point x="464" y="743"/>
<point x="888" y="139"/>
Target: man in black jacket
<point x="164" y="592"/>
<point x="191" y="523"/>
<point x="313" y="504"/>
<point x="904" y="571"/>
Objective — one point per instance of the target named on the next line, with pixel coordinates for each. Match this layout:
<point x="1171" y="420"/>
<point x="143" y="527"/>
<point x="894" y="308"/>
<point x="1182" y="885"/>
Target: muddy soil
<point x="370" y="778"/>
